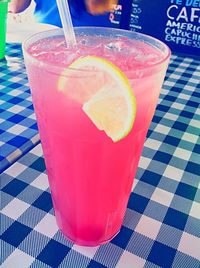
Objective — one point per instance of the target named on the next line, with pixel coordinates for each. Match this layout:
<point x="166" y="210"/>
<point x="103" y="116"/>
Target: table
<point x="18" y="127"/>
<point x="161" y="227"/>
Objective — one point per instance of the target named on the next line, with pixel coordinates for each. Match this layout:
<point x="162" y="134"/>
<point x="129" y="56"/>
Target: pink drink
<point x="91" y="176"/>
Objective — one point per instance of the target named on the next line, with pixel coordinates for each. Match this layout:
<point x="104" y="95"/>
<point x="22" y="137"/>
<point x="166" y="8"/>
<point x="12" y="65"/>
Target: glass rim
<point x="59" y="32"/>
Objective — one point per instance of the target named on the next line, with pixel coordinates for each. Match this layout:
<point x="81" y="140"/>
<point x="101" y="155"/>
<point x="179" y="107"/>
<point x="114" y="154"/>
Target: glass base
<point x="89" y="244"/>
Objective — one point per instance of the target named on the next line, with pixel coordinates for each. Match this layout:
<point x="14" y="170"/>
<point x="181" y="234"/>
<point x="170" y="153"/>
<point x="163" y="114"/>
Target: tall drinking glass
<point x="90" y="175"/>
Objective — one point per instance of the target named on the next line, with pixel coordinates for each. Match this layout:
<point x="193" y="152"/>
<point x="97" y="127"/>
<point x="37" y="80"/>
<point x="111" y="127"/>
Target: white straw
<point x="66" y="20"/>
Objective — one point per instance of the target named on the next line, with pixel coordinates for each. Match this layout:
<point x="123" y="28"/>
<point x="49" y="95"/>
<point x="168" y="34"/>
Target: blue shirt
<point x="46" y="11"/>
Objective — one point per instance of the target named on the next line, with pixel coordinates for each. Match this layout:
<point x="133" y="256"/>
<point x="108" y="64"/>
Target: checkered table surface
<point x="161" y="227"/>
<point x="18" y="128"/>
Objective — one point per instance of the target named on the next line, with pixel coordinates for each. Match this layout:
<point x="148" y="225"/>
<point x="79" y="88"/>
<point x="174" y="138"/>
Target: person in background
<point x="83" y="12"/>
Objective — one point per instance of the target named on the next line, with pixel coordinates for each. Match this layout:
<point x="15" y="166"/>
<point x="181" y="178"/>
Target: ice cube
<point x="115" y="46"/>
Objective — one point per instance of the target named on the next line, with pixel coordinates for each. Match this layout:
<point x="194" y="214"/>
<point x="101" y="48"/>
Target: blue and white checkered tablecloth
<point x="18" y="128"/>
<point x="161" y="227"/>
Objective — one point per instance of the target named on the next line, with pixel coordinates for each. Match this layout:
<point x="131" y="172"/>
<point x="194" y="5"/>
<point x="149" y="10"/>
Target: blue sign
<point x="175" y="22"/>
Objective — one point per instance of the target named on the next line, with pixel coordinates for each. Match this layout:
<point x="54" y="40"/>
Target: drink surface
<point x="125" y="53"/>
<point x="90" y="175"/>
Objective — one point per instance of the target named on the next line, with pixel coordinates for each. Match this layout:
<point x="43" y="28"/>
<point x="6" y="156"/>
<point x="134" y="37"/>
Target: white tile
<point x="197" y="72"/>
<point x="15" y="92"/>
<point x="153" y="144"/>
<point x="37" y="150"/>
<point x="32" y="116"/>
<point x="29" y="98"/>
<point x="148" y="227"/>
<point x="181" y="70"/>
<point x="178" y="106"/>
<point x="1" y="102"/>
<point x="184" y="96"/>
<point x="184" y="64"/>
<point x="15" y="169"/>
<point x="41" y="182"/>
<point x="173" y="173"/>
<point x="198" y="111"/>
<point x="195" y="123"/>
<point x="162" y="129"/>
<point x="47" y="226"/>
<point x="16" y="129"/>
<point x="176" y="76"/>
<point x="35" y="138"/>
<point x="182" y="153"/>
<point x="16" y="109"/>
<point x="15" y="208"/>
<point x="173" y="57"/>
<point x="135" y="182"/>
<point x="129" y="260"/>
<point x="188" y="87"/>
<point x="187" y="60"/>
<point x="195" y="210"/>
<point x="162" y="197"/>
<point x="144" y="162"/>
<point x="15" y="79"/>
<point x="18" y="259"/>
<point x="170" y="116"/>
<point x="27" y="84"/>
<point x="164" y="91"/>
<point x="2" y="143"/>
<point x="86" y="251"/>
<point x="190" y="245"/>
<point x="190" y="137"/>
<point x="193" y="80"/>
<point x="169" y="83"/>
<point x="13" y="62"/>
<point x="14" y="155"/>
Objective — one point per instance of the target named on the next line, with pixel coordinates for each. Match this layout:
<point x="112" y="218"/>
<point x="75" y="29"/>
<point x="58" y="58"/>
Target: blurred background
<point x="175" y="24"/>
<point x="20" y="25"/>
<point x="25" y="16"/>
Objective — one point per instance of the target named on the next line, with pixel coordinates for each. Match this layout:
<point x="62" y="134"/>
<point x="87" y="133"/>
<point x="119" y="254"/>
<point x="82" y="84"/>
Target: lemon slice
<point x="111" y="104"/>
